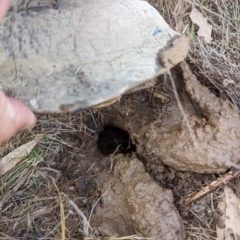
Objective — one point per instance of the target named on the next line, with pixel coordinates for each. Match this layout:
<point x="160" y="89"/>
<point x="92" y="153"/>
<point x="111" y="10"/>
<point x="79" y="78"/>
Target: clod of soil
<point x="216" y="130"/>
<point x="134" y="203"/>
<point x="174" y="55"/>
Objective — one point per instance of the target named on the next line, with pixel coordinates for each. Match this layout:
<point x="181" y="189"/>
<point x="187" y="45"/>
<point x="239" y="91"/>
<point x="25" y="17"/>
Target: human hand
<point x="14" y="116"/>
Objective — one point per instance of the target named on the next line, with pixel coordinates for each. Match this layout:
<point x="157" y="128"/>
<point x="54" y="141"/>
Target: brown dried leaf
<point x="205" y="29"/>
<point x="227" y="216"/>
<point x="10" y="160"/>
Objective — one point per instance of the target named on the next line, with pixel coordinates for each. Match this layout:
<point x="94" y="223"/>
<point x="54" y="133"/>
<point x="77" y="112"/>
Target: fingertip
<point x="25" y="117"/>
<point x="14" y="116"/>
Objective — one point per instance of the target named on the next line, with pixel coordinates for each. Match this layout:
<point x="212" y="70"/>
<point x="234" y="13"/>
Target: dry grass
<point x="217" y="62"/>
<point x="202" y="227"/>
<point x="32" y="203"/>
<point x="199" y="233"/>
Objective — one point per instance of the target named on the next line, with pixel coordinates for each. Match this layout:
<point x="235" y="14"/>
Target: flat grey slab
<point x="80" y="53"/>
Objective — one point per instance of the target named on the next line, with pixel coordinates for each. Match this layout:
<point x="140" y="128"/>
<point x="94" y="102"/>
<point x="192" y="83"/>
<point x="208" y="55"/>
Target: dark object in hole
<point x="113" y="138"/>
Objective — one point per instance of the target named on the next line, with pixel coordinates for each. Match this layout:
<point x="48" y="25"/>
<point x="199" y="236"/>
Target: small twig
<point x="93" y="119"/>
<point x="213" y="185"/>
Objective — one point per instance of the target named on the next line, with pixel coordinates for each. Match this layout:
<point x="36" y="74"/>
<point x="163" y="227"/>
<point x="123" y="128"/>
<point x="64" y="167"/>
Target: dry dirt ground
<point x="81" y="154"/>
<point x="109" y="173"/>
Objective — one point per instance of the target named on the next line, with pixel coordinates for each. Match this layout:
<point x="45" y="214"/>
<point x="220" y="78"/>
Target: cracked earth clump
<point x="217" y="133"/>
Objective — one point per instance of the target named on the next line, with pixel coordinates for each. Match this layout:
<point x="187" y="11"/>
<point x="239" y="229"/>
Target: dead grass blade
<point x="63" y="225"/>
<point x="13" y="158"/>
<point x="86" y="225"/>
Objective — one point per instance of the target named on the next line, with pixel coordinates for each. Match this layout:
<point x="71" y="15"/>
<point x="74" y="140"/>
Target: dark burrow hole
<point x="113" y="139"/>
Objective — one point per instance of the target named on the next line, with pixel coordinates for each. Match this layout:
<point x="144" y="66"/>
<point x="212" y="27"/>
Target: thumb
<point x="14" y="116"/>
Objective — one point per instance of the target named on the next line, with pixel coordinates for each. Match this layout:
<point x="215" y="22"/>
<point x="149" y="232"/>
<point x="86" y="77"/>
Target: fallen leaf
<point x="227" y="216"/>
<point x="205" y="29"/>
<point x="14" y="157"/>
